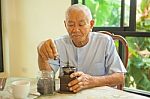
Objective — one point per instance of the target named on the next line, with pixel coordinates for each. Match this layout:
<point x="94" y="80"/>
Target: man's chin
<point x="76" y="39"/>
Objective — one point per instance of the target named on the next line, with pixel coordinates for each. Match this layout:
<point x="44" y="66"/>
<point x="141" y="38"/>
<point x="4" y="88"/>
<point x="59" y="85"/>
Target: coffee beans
<point x="45" y="86"/>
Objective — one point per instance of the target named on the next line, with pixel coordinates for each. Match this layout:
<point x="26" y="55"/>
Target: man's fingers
<point x="73" y="82"/>
<point x="41" y="51"/>
<point x="47" y="50"/>
<point x="77" y="80"/>
<point x="53" y="47"/>
<point x="74" y="87"/>
<point x="44" y="54"/>
<point x="76" y="74"/>
<point x="77" y="87"/>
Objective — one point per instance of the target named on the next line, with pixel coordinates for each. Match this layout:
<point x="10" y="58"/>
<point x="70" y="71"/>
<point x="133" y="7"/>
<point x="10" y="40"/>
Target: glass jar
<point x="46" y="83"/>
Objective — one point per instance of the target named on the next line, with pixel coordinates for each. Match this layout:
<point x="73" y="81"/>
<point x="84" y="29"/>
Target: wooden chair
<point x="125" y="49"/>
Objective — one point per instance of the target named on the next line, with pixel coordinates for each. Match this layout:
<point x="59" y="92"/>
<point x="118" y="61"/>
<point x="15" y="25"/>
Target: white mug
<point x="20" y="88"/>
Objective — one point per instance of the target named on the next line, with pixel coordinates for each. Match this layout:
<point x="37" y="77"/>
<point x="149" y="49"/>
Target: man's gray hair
<point x="80" y="7"/>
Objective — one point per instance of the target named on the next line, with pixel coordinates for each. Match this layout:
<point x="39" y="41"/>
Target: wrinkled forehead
<point x="76" y="15"/>
<point x="81" y="10"/>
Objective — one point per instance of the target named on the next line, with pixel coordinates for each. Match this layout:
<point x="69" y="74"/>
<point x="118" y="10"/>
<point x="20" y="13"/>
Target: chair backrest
<point x="125" y="49"/>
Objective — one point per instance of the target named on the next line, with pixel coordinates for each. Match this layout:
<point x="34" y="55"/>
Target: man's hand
<point x="83" y="81"/>
<point x="46" y="50"/>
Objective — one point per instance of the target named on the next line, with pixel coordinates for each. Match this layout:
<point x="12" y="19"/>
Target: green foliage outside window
<point x="139" y="63"/>
<point x="107" y="13"/>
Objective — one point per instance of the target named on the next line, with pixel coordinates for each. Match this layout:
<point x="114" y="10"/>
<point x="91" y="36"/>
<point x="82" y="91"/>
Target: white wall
<point x="25" y="24"/>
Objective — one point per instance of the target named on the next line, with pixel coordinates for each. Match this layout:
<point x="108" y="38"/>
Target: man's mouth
<point x="75" y="35"/>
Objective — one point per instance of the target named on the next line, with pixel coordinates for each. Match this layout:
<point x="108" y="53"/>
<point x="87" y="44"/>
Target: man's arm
<point x="109" y="80"/>
<point x="84" y="81"/>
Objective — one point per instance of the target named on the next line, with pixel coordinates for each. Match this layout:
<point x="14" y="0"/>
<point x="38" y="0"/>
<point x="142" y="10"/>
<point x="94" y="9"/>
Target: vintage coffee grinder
<point x="65" y="72"/>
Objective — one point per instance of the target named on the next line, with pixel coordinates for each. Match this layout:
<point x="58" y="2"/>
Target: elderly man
<point x="93" y="54"/>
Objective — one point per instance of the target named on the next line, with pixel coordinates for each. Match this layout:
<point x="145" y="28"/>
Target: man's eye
<point x="70" y="25"/>
<point x="81" y="24"/>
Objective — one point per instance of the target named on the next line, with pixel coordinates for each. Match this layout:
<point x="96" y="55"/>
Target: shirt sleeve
<point x="113" y="61"/>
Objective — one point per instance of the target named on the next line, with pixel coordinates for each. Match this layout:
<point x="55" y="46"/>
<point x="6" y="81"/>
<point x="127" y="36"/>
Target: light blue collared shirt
<point x="98" y="57"/>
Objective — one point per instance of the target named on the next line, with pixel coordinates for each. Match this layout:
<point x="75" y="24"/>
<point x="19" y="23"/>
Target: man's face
<point x="78" y="26"/>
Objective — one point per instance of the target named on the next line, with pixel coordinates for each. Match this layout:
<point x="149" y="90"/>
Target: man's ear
<point x="92" y="24"/>
<point x="65" y="23"/>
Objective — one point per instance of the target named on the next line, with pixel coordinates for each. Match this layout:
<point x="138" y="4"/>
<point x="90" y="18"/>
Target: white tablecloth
<point x="93" y="93"/>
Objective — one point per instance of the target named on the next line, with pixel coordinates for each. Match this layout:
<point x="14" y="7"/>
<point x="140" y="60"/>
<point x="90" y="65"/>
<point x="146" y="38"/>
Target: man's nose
<point x="76" y="28"/>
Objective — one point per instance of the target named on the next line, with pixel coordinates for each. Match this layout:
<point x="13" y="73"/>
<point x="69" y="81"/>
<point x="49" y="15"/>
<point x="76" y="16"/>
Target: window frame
<point x="123" y="31"/>
<point x="1" y="44"/>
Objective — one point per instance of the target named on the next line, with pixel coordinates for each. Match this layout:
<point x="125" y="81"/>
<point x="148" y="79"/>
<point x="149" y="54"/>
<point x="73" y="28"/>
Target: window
<point x="131" y="19"/>
<point x="1" y="46"/>
<point x="104" y="10"/>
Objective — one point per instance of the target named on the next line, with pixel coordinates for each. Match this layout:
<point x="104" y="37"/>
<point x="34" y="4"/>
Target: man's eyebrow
<point x="81" y="21"/>
<point x="70" y="21"/>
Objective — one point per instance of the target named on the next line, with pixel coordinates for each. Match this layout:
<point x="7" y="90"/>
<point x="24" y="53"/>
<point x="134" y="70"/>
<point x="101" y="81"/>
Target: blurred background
<point x="26" y="23"/>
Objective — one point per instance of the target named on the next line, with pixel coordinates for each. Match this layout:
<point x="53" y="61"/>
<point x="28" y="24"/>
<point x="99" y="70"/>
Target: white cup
<point x="20" y="89"/>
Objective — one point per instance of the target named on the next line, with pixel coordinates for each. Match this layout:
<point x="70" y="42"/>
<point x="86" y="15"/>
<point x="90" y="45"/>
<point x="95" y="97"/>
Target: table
<point x="93" y="93"/>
